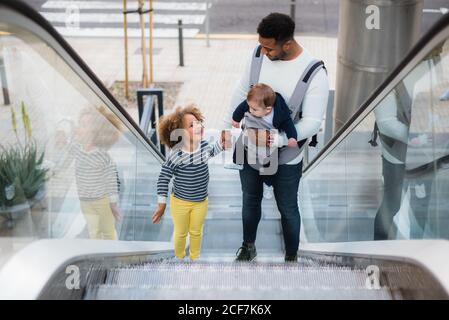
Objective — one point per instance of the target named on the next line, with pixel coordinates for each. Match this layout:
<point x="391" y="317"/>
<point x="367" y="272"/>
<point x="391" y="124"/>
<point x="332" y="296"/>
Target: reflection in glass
<point x="86" y="153"/>
<point x="392" y="125"/>
<point x="396" y="186"/>
<point x="95" y="171"/>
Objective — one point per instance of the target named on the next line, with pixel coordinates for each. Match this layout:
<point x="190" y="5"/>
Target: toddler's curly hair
<point x="175" y="120"/>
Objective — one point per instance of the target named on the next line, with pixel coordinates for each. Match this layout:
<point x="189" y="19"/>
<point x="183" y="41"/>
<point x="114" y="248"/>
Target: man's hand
<point x="270" y="139"/>
<point x="258" y="137"/>
<point x="263" y="137"/>
<point x="235" y="124"/>
<point x="158" y="213"/>
<point x="421" y="140"/>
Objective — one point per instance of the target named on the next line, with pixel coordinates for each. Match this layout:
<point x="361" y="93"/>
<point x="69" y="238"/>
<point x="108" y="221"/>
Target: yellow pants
<point x="188" y="218"/>
<point x="100" y="220"/>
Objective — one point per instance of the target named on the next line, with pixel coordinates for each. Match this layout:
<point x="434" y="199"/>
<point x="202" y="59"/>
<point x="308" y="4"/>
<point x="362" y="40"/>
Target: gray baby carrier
<point x="284" y="154"/>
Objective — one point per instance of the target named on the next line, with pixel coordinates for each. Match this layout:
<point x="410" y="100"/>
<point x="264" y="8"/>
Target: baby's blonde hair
<point x="262" y="94"/>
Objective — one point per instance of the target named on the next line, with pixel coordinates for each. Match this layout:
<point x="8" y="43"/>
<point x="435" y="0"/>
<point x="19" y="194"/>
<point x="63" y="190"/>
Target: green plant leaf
<point x="23" y="168"/>
<point x="25" y="120"/>
<point x="13" y="120"/>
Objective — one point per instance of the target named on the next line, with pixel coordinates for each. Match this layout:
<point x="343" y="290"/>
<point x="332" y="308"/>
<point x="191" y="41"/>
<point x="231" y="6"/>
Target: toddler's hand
<point x="235" y="124"/>
<point x="226" y="139"/>
<point x="158" y="213"/>
<point x="292" y="142"/>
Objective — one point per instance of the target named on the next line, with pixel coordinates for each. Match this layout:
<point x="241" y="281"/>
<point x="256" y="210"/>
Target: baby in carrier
<point x="264" y="109"/>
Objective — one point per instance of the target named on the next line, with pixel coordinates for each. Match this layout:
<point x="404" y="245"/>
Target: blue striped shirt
<point x="190" y="172"/>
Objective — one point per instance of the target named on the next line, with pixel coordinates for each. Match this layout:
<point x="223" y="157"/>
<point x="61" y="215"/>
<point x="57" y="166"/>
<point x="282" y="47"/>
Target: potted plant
<point x="22" y="176"/>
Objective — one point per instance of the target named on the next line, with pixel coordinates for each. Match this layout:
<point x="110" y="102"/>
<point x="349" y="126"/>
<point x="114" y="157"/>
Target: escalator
<point x="53" y="249"/>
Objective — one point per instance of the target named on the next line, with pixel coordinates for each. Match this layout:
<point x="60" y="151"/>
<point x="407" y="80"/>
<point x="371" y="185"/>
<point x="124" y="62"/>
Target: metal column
<point x="374" y="36"/>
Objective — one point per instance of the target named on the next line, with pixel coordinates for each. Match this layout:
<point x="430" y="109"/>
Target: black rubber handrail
<point x="27" y="11"/>
<point x="440" y="25"/>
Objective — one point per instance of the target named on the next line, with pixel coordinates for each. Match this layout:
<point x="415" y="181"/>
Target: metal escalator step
<point x="111" y="292"/>
<point x="230" y="280"/>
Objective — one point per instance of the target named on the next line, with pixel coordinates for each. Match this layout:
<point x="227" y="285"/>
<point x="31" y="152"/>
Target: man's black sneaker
<point x="291" y="258"/>
<point x="246" y="252"/>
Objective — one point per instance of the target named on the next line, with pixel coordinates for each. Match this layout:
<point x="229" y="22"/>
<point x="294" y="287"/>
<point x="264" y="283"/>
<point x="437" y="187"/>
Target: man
<point x="283" y="63"/>
<point x="393" y="116"/>
<point x="404" y="143"/>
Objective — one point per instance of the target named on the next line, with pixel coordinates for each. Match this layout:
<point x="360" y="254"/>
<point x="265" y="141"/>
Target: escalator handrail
<point x="27" y="11"/>
<point x="382" y="90"/>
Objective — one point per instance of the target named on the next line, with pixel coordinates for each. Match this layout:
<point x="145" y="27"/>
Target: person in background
<point x="95" y="171"/>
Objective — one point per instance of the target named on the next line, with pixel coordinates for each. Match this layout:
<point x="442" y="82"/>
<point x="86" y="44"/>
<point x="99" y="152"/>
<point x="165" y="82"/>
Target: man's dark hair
<point x="278" y="26"/>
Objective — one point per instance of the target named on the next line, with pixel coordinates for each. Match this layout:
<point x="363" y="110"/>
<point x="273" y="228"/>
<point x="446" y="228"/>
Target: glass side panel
<point x="429" y="188"/>
<point x="439" y="222"/>
<point x="323" y="201"/>
<point x="388" y="179"/>
<point x="68" y="163"/>
<point x="147" y="173"/>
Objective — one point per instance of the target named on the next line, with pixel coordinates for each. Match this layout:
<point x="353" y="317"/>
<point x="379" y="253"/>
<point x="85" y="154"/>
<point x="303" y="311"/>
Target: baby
<point x="263" y="102"/>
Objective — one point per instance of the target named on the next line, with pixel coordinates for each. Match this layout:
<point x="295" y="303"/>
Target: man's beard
<point x="281" y="56"/>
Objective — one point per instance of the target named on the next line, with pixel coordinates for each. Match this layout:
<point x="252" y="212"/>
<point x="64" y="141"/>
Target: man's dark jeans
<point x="393" y="174"/>
<point x="285" y="187"/>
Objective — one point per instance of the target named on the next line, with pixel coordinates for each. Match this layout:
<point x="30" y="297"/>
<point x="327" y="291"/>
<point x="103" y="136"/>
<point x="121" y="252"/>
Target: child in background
<point x="182" y="132"/>
<point x="95" y="171"/>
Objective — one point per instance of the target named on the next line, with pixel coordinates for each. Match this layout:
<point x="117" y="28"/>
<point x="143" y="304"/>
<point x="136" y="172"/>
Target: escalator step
<point x="111" y="292"/>
<point x="229" y="280"/>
